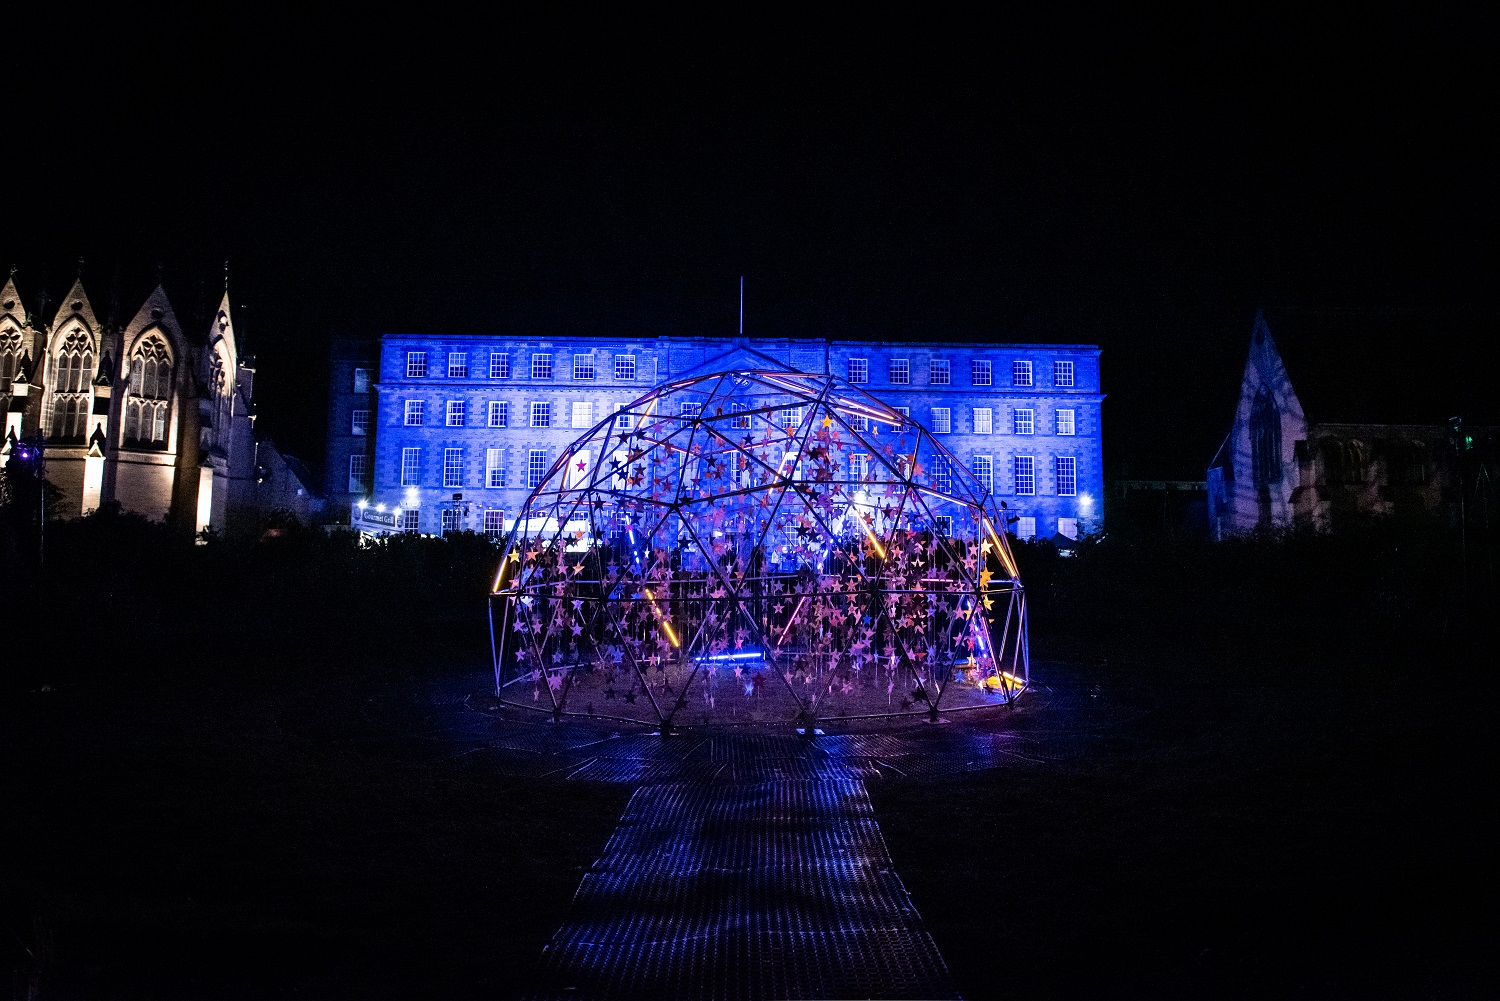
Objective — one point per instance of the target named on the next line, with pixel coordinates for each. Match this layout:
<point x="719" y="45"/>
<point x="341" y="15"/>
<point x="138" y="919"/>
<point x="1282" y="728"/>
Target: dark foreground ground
<point x="1296" y="798"/>
<point x="227" y="839"/>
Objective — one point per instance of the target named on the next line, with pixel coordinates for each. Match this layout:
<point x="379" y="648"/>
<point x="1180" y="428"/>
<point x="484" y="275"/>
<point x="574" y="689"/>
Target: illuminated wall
<point x="459" y="468"/>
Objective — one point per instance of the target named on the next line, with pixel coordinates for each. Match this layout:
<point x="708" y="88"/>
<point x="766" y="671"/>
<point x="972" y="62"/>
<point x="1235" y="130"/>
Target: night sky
<point x="1148" y="205"/>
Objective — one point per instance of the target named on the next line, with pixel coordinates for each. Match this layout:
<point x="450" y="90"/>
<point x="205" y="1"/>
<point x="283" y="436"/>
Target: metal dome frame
<point x="757" y="544"/>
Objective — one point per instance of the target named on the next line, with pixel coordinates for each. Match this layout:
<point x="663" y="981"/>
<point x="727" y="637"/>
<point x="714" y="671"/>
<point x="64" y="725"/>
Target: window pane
<point x="1067" y="476"/>
<point x="1020" y="373"/>
<point x="536" y="466"/>
<point x="416" y="364"/>
<point x="625" y="368"/>
<point x="859" y="370"/>
<point x="940" y="373"/>
<point x="1025" y="475"/>
<point x="541" y="366"/>
<point x="900" y="371"/>
<point x="499" y="365"/>
<point x="980" y="372"/>
<point x="583" y="366"/>
<point x="1065" y="422"/>
<point x="458" y="365"/>
<point x="1062" y="374"/>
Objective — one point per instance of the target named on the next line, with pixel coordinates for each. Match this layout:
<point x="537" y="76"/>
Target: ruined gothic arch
<point x="1265" y="439"/>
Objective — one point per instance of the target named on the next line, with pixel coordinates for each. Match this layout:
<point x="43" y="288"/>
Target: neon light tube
<point x="671" y="636"/>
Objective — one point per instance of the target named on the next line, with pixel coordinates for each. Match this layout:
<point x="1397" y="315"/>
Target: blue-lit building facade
<point x="432" y="433"/>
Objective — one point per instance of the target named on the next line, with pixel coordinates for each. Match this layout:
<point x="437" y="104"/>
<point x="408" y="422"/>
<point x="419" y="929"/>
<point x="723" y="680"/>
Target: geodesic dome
<point x="758" y="544"/>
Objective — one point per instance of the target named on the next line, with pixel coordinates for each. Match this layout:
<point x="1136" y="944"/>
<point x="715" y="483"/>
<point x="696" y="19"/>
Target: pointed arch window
<point x="1265" y="440"/>
<point x="10" y="364"/>
<point x="219" y="389"/>
<point x="149" y="402"/>
<point x="72" y="371"/>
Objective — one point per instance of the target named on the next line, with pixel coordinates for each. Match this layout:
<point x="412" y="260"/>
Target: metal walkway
<point x="770" y="889"/>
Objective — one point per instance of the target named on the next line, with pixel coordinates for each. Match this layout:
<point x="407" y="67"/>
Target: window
<point x="1067" y="476"/>
<point x="741" y="418"/>
<point x="494" y="524"/>
<point x="1025" y="528"/>
<point x="583" y="415"/>
<point x="541" y="367"/>
<point x="900" y="372"/>
<point x="622" y="417"/>
<point x="625" y="368"/>
<point x="1062" y="374"/>
<point x="413" y="413"/>
<point x="359" y="473"/>
<point x="691" y="409"/>
<point x="72" y="367"/>
<point x="458" y="365"/>
<point x="453" y="467"/>
<point x="939" y="372"/>
<point x="361" y="380"/>
<point x="1265" y="441"/>
<point x="416" y="364"/>
<point x="859" y="465"/>
<point x="411" y="520"/>
<point x="541" y="415"/>
<point x="499" y="365"/>
<point x="859" y="370"/>
<point x="1065" y="422"/>
<point x="536" y="467"/>
<point x="1020" y="373"/>
<point x="789" y="417"/>
<point x="583" y="365"/>
<point x="494" y="468"/>
<point x="859" y="422"/>
<point x="981" y="372"/>
<point x="360" y="422"/>
<point x="457" y="413"/>
<point x="450" y="520"/>
<point x="150" y="389"/>
<point x="984" y="420"/>
<point x="942" y="475"/>
<point x="1025" y="476"/>
<point x="983" y="468"/>
<point x="942" y="420"/>
<point x="1068" y="528"/>
<point x="499" y="414"/>
<point x="942" y="524"/>
<point x="1024" y="421"/>
<point x="411" y="466"/>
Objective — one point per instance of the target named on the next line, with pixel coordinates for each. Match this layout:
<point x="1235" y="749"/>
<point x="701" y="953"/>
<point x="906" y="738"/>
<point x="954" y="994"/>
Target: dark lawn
<point x="1283" y="837"/>
<point x="235" y="840"/>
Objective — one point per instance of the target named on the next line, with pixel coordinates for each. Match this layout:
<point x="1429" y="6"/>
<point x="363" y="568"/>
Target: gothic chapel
<point x="148" y="415"/>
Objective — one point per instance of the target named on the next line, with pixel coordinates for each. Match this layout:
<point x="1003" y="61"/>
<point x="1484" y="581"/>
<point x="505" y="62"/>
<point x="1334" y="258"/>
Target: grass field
<point x="1300" y="802"/>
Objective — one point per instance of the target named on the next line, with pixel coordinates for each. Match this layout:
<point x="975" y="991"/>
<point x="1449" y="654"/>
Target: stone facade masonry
<point x="1029" y="417"/>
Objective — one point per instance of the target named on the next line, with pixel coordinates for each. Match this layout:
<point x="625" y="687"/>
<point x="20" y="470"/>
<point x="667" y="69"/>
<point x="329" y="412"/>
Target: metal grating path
<point x="769" y="889"/>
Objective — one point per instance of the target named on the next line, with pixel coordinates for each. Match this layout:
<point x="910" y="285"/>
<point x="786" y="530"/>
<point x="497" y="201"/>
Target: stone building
<point x="435" y="433"/>
<point x="1332" y="460"/>
<point x="146" y="413"/>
